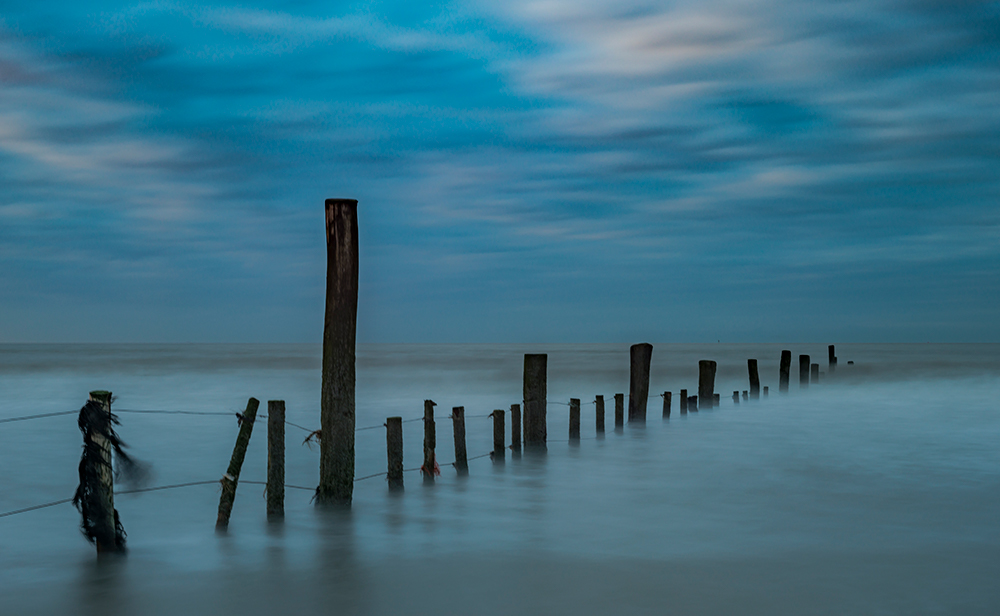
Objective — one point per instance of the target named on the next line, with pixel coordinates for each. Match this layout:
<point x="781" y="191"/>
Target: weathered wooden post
<point x="499" y="447"/>
<point x="638" y="391"/>
<point x="736" y="397"/>
<point x="693" y="403"/>
<point x="430" y="467"/>
<point x="765" y="391"/>
<point x="754" y="379"/>
<point x="803" y="371"/>
<point x="683" y="401"/>
<point x="619" y="410"/>
<point x="232" y="476"/>
<point x="535" y="399"/>
<point x="574" y="419"/>
<point x="394" y="452"/>
<point x="814" y="373"/>
<point x="515" y="427"/>
<point x="833" y="359"/>
<point x="336" y="447"/>
<point x="785" y="370"/>
<point x="599" y="413"/>
<point x="275" y="460"/>
<point x="95" y="496"/>
<point x="461" y="457"/>
<point x="706" y="382"/>
<point x="666" y="404"/>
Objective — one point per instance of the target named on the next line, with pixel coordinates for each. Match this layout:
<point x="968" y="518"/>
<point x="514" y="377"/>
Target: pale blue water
<point x="874" y="492"/>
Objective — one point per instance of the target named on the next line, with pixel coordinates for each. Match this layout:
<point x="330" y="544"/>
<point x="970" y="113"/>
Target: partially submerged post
<point x="745" y="395"/>
<point x="461" y="457"/>
<point x="833" y="359"/>
<point x="754" y="379"/>
<point x="619" y="410"/>
<point x="95" y="496"/>
<point x="736" y="397"/>
<point x="706" y="382"/>
<point x="535" y="399"/>
<point x="693" y="403"/>
<point x="499" y="448"/>
<point x="638" y="391"/>
<point x="430" y="467"/>
<point x="683" y="401"/>
<point x="275" y="460"/>
<point x="803" y="371"/>
<point x="574" y="419"/>
<point x="515" y="427"/>
<point x="785" y="369"/>
<point x="336" y="446"/>
<point x="232" y="476"/>
<point x="715" y="400"/>
<point x="765" y="391"/>
<point x="666" y="404"/>
<point x="814" y="373"/>
<point x="599" y="413"/>
<point x="394" y="452"/>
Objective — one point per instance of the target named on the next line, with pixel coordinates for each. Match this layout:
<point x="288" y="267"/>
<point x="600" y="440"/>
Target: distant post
<point x="394" y="452"/>
<point x="638" y="390"/>
<point x="666" y="404"/>
<point x="461" y="456"/>
<point x="682" y="401"/>
<point x="499" y="448"/>
<point x="336" y="448"/>
<point x="803" y="371"/>
<point x="814" y="373"/>
<point x="786" y="367"/>
<point x="574" y="419"/>
<point x="619" y="410"/>
<point x="754" y="379"/>
<point x="599" y="413"/>
<point x="706" y="382"/>
<point x="765" y="391"/>
<point x="515" y="427"/>
<point x="693" y="403"/>
<point x="833" y="359"/>
<point x="232" y="476"/>
<point x="275" y="460"/>
<point x="736" y="397"/>
<point x="535" y="394"/>
<point x="430" y="467"/>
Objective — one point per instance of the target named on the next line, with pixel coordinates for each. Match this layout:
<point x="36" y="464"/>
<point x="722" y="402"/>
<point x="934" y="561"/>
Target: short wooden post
<point x="499" y="447"/>
<point x="715" y="400"/>
<point x="96" y="499"/>
<point x="638" y="391"/>
<point x="394" y="452"/>
<point x="814" y="373"/>
<point x="765" y="391"/>
<point x="275" y="460"/>
<point x="693" y="403"/>
<point x="746" y="395"/>
<point x="232" y="476"/>
<point x="461" y="456"/>
<point x="535" y="398"/>
<point x="706" y="382"/>
<point x="803" y="371"/>
<point x="599" y="414"/>
<point x="683" y="401"/>
<point x="574" y="419"/>
<point x="666" y="404"/>
<point x="430" y="467"/>
<point x="515" y="427"/>
<point x="336" y="446"/>
<point x="619" y="410"/>
<point x="784" y="371"/>
<point x="736" y="397"/>
<point x="833" y="359"/>
<point x="754" y="379"/>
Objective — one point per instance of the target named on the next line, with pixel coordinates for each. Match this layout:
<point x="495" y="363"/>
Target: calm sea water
<point x="876" y="491"/>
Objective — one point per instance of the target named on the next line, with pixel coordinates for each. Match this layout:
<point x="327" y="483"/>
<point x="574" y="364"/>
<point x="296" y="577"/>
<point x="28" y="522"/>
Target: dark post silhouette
<point x="693" y="403"/>
<point x="461" y="457"/>
<point x="232" y="476"/>
<point x="336" y="446"/>
<point x="736" y="397"/>
<point x="275" y="460"/>
<point x="715" y="400"/>
<point x="803" y="371"/>
<point x="814" y="373"/>
<point x="599" y="413"/>
<point x="833" y="359"/>
<point x="619" y="410"/>
<point x="786" y="367"/>
<point x="394" y="452"/>
<point x="499" y="448"/>
<point x="430" y="467"/>
<point x="515" y="427"/>
<point x="706" y="382"/>
<point x="745" y="395"/>
<point x="638" y="391"/>
<point x="754" y="379"/>
<point x="666" y="404"/>
<point x="683" y="401"/>
<point x="765" y="391"/>
<point x="535" y="393"/>
<point x="574" y="419"/>
<point x="95" y="496"/>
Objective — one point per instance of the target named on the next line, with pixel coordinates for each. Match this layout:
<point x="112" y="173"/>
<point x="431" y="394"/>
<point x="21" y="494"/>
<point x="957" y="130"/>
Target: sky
<point x="556" y="171"/>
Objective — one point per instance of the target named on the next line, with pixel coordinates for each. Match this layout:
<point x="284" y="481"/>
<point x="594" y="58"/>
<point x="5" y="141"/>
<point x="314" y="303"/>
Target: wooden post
<point x="715" y="400"/>
<point x="693" y="403"/>
<point x="232" y="476"/>
<point x="619" y="410"/>
<point x="599" y="413"/>
<point x="275" y="460"/>
<point x="706" y="382"/>
<point x="638" y="391"/>
<point x="754" y="379"/>
<point x="515" y="427"/>
<point x="803" y="371"/>
<point x="736" y="397"/>
<point x="745" y="395"/>
<point x="535" y="399"/>
<point x="461" y="457"/>
<point x="833" y="359"/>
<point x="336" y="446"/>
<point x="394" y="452"/>
<point x="666" y="404"/>
<point x="499" y="447"/>
<point x="814" y="373"/>
<point x="765" y="391"/>
<point x="99" y="501"/>
<point x="574" y="419"/>
<point x="683" y="401"/>
<point x="785" y="370"/>
<point x="430" y="467"/>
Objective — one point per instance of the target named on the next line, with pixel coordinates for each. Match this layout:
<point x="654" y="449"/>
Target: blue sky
<point x="563" y="171"/>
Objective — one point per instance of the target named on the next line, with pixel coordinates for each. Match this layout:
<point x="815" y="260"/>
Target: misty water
<point x="875" y="491"/>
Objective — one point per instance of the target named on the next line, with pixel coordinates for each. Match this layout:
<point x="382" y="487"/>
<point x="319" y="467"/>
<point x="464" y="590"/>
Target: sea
<point x="875" y="490"/>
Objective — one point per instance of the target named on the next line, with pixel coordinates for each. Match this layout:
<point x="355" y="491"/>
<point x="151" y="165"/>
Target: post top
<point x="100" y="395"/>
<point x="337" y="201"/>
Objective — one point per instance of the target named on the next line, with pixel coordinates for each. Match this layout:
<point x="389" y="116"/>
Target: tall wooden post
<point x="754" y="379"/>
<point x="574" y="419"/>
<point x="275" y="460"/>
<point x="535" y="398"/>
<point x="638" y="390"/>
<point x="785" y="369"/>
<point x="336" y="456"/>
<point x="394" y="452"/>
<point x="683" y="401"/>
<point x="499" y="447"/>
<point x="803" y="371"/>
<point x="515" y="427"/>
<point x="666" y="404"/>
<point x="619" y="410"/>
<point x="599" y="414"/>
<point x="97" y="504"/>
<point x="833" y="359"/>
<point x="461" y="457"/>
<point x="232" y="476"/>
<point x="706" y="383"/>
<point x="430" y="467"/>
